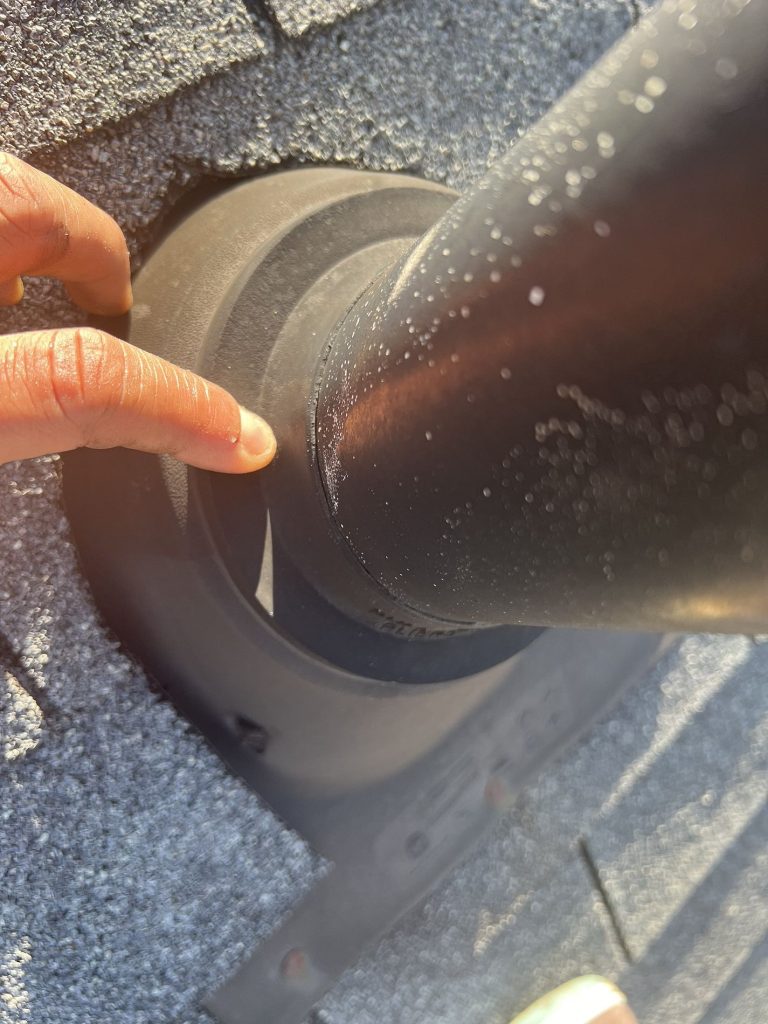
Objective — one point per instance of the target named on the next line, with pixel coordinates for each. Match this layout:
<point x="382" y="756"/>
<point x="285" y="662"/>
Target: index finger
<point x="46" y="228"/>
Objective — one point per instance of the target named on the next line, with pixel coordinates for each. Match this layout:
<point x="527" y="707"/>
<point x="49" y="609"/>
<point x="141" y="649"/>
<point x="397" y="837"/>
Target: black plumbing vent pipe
<point x="552" y="410"/>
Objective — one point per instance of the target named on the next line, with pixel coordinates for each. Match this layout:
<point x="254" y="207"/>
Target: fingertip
<point x="252" y="449"/>
<point x="96" y="299"/>
<point x="257" y="440"/>
<point x="126" y="299"/>
<point x="11" y="292"/>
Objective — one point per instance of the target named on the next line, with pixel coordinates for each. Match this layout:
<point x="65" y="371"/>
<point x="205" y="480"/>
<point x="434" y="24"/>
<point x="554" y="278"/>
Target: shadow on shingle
<point x="716" y="942"/>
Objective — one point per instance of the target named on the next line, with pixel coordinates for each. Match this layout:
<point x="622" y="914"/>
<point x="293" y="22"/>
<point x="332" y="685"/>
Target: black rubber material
<point x="318" y="238"/>
<point x="567" y="378"/>
<point x="320" y="596"/>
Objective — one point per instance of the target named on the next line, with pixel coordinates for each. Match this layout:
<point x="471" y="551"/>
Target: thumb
<point x="81" y="387"/>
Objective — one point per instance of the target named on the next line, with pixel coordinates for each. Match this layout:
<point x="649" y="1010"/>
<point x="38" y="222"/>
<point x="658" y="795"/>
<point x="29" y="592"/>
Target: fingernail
<point x="114" y="301"/>
<point x="256" y="435"/>
<point x="587" y="1000"/>
<point x="127" y="299"/>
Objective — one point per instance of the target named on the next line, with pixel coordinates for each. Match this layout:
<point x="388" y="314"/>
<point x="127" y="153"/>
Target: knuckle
<point x="51" y="236"/>
<point x="79" y="363"/>
<point x="90" y="346"/>
<point x="70" y="376"/>
<point x="13" y="180"/>
<point x="12" y="377"/>
<point x="29" y="214"/>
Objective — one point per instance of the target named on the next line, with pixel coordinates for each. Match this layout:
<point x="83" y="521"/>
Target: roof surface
<point x="136" y="873"/>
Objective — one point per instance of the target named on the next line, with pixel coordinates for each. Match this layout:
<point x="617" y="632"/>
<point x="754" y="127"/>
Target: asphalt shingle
<point x="68" y="68"/>
<point x="708" y="966"/>
<point x="708" y="917"/>
<point x="499" y="933"/>
<point x="665" y="835"/>
<point x="135" y="871"/>
<point x="296" y="16"/>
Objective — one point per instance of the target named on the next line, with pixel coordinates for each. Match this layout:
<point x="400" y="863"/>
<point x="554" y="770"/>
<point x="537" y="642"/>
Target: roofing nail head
<point x="294" y="966"/>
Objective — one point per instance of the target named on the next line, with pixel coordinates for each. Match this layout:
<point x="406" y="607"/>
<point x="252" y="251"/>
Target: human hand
<point x="81" y="387"/>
